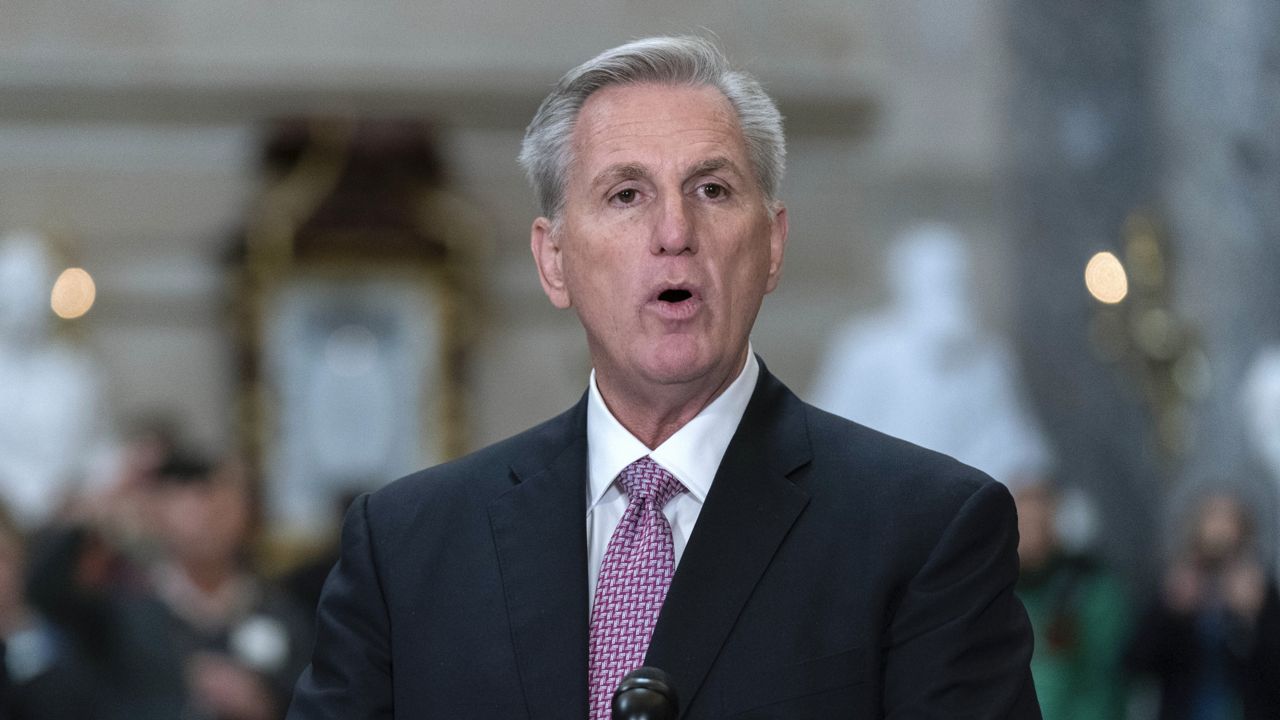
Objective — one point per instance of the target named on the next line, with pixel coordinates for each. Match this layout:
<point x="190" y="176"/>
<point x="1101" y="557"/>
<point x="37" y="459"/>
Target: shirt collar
<point x="692" y="454"/>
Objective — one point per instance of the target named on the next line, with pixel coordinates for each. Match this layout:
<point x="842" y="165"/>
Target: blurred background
<point x="278" y="252"/>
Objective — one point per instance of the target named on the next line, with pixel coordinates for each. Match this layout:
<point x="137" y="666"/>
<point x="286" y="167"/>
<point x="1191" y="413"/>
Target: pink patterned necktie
<point x="633" y="580"/>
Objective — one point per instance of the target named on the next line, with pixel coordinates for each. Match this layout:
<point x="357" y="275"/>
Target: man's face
<point x="665" y="247"/>
<point x="1037" y="540"/>
<point x="203" y="521"/>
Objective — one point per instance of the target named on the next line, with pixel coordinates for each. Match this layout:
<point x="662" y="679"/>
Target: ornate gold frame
<point x="272" y="261"/>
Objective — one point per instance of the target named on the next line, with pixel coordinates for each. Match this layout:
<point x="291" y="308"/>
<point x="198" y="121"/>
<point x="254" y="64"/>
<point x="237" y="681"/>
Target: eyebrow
<point x="714" y="164"/>
<point x="633" y="171"/>
<point x="621" y="171"/>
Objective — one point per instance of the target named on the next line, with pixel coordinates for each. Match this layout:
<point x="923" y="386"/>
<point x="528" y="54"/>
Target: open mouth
<point x="674" y="295"/>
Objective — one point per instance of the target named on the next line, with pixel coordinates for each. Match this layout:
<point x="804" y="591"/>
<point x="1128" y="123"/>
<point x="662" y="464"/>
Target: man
<point x="1078" y="612"/>
<point x="689" y="512"/>
<point x="195" y="634"/>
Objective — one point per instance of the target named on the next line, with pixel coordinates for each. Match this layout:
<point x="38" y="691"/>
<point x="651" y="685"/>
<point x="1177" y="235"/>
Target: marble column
<point x="1080" y="157"/>
<point x="1215" y="70"/>
<point x="1173" y="106"/>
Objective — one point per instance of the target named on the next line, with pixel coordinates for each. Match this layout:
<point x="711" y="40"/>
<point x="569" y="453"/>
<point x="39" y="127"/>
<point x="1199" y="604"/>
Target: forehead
<point x="655" y="124"/>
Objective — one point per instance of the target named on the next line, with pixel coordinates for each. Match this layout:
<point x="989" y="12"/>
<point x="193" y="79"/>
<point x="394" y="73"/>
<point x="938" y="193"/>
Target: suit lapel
<point x="749" y="510"/>
<point x="539" y="530"/>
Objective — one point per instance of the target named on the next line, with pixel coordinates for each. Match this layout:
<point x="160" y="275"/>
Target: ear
<point x="777" y="245"/>
<point x="547" y="255"/>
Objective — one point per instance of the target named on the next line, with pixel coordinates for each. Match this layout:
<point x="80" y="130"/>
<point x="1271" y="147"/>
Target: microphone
<point x="646" y="693"/>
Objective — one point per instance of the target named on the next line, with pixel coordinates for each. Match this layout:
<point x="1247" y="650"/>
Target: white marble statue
<point x="923" y="369"/>
<point x="1260" y="395"/>
<point x="48" y="397"/>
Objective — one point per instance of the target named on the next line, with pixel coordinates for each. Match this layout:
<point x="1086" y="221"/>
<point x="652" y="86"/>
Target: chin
<point x="679" y="362"/>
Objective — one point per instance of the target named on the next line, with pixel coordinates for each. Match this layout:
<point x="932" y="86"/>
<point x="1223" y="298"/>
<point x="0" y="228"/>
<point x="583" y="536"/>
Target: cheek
<point x="750" y="273"/>
<point x="231" y="513"/>
<point x="600" y="277"/>
<point x="168" y="515"/>
<point x="10" y="573"/>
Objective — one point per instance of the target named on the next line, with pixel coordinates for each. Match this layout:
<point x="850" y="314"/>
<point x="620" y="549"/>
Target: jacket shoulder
<point x="483" y="474"/>
<point x="890" y="471"/>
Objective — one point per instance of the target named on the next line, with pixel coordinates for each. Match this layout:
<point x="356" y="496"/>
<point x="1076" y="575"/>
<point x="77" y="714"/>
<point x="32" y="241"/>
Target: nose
<point x="673" y="233"/>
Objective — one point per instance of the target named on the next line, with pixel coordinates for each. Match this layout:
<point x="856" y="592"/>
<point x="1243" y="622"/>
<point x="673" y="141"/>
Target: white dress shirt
<point x="692" y="454"/>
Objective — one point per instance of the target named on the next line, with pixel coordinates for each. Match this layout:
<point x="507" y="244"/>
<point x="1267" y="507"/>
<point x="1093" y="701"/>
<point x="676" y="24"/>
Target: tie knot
<point x="646" y="479"/>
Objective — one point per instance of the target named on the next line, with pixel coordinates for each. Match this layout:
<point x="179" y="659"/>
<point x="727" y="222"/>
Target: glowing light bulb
<point x="1105" y="278"/>
<point x="73" y="293"/>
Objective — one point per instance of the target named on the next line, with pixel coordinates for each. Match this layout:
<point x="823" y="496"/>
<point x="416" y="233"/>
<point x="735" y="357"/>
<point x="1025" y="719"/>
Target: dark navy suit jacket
<point x="834" y="572"/>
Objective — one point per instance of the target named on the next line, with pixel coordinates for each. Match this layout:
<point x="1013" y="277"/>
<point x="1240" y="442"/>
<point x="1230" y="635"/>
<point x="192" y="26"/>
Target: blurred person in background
<point x="44" y="677"/>
<point x="190" y="632"/>
<point x="1211" y="639"/>
<point x="244" y="641"/>
<point x="116" y="499"/>
<point x="1078" y="613"/>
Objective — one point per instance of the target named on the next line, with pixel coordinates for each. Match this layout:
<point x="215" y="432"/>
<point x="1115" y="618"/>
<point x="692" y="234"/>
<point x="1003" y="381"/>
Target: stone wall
<point x="1171" y="107"/>
<point x="131" y="129"/>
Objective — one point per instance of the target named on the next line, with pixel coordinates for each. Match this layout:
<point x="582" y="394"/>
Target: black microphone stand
<point x="646" y="693"/>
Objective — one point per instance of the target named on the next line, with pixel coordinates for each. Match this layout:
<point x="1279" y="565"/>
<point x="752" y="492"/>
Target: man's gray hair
<point x="546" y="152"/>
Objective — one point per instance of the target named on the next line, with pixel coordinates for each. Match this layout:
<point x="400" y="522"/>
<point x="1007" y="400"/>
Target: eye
<point x="625" y="197"/>
<point x="713" y="191"/>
